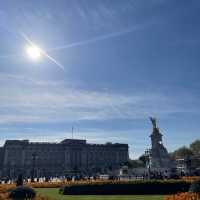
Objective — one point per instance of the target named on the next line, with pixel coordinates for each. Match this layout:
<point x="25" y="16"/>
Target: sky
<point x="118" y="62"/>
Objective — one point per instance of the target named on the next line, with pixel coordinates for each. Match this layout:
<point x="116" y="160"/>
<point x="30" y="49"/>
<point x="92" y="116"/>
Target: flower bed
<point x="190" y="178"/>
<point x="182" y="196"/>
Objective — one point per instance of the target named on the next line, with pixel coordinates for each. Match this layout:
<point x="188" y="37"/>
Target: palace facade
<point x="60" y="159"/>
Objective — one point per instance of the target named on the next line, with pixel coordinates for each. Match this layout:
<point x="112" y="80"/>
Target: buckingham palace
<point x="59" y="159"/>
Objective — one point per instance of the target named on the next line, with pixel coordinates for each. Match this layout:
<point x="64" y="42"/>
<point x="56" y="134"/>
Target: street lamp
<point x="34" y="157"/>
<point x="148" y="162"/>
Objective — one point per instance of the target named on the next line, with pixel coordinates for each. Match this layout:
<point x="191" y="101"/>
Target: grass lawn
<point x="54" y="195"/>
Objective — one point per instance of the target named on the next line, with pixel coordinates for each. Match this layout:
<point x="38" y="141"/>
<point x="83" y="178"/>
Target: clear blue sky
<point x="124" y="60"/>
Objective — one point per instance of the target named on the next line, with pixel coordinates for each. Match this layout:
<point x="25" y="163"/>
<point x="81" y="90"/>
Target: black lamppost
<point x="148" y="162"/>
<point x="188" y="163"/>
<point x="34" y="157"/>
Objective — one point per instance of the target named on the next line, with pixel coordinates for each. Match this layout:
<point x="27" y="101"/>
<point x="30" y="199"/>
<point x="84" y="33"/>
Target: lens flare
<point x="34" y="52"/>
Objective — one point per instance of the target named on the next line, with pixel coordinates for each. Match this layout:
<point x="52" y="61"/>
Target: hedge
<point x="195" y="187"/>
<point x="21" y="193"/>
<point x="126" y="188"/>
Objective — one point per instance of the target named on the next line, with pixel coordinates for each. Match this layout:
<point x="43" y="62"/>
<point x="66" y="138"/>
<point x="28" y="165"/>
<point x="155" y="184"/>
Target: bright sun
<point x="34" y="52"/>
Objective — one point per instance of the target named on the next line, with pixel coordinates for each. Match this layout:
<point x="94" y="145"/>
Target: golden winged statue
<point x="153" y="121"/>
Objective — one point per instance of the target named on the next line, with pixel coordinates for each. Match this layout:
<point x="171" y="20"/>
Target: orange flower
<point x="182" y="196"/>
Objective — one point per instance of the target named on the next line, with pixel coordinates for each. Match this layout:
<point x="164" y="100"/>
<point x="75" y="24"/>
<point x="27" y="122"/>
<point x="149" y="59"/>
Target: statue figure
<point x="153" y="121"/>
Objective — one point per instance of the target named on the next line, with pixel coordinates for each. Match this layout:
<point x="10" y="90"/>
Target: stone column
<point x="23" y="157"/>
<point x="84" y="158"/>
<point x="5" y="157"/>
<point x="67" y="158"/>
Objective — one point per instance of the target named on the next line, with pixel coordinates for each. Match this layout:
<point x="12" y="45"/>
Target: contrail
<point x="8" y="56"/>
<point x="43" y="52"/>
<point x="80" y="43"/>
<point x="95" y="39"/>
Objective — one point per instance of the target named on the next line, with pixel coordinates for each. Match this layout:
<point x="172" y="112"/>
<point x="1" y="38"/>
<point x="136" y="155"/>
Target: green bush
<point x="22" y="193"/>
<point x="126" y="188"/>
<point x="195" y="187"/>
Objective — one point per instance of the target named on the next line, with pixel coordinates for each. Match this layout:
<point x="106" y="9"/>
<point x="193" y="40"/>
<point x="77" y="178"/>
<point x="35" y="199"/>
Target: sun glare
<point x="34" y="52"/>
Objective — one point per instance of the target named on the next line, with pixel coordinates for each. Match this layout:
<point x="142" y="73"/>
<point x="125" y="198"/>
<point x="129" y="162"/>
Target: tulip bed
<point x="183" y="196"/>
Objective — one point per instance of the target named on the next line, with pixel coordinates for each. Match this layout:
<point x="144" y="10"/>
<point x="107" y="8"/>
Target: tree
<point x="134" y="163"/>
<point x="182" y="152"/>
<point x="195" y="147"/>
<point x="144" y="159"/>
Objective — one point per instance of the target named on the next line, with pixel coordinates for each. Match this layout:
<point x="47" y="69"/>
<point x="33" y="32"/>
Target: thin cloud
<point x="35" y="103"/>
